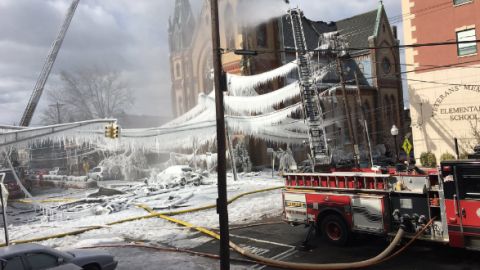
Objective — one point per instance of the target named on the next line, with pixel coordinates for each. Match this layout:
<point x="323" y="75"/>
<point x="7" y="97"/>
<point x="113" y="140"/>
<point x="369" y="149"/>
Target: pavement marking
<point x="279" y="256"/>
<point x="262" y="241"/>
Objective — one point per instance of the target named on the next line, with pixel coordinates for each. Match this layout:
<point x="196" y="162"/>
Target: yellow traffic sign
<point x="407" y="146"/>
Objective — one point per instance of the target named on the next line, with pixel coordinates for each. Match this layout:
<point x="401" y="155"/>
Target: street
<point x="279" y="241"/>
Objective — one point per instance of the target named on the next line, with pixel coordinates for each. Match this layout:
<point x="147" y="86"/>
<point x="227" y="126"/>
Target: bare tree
<point x="88" y="94"/>
<point x="475" y="126"/>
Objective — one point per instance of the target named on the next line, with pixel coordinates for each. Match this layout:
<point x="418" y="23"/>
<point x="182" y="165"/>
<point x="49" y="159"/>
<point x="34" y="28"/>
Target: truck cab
<point x="461" y="184"/>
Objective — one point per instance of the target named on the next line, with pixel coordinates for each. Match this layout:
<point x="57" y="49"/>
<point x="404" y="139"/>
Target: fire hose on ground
<point x="382" y="257"/>
<point x="279" y="264"/>
<point x="170" y="213"/>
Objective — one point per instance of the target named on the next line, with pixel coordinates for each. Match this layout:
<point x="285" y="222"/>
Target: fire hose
<point x="280" y="264"/>
<point x="383" y="256"/>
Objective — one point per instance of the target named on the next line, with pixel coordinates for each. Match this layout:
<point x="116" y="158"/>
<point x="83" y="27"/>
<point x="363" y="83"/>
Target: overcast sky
<point x="128" y="36"/>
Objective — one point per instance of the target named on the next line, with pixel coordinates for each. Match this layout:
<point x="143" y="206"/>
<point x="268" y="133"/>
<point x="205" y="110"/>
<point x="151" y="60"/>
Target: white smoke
<point x="252" y="13"/>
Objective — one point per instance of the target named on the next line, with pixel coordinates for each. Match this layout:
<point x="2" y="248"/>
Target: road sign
<point x="407" y="146"/>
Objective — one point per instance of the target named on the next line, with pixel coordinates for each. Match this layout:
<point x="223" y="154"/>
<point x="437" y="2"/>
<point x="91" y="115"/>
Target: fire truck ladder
<point x="311" y="105"/>
<point x="47" y="67"/>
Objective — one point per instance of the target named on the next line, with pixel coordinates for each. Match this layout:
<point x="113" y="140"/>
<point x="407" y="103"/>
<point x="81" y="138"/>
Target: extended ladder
<point x="47" y="67"/>
<point x="311" y="105"/>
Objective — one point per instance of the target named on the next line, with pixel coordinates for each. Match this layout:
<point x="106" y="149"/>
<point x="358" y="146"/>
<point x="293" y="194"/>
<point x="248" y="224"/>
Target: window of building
<point x="459" y="2"/>
<point x="262" y="36"/>
<point x="469" y="47"/>
<point x="178" y="71"/>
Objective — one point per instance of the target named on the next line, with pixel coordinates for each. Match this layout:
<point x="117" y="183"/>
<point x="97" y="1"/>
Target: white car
<point x="97" y="173"/>
<point x="178" y="175"/>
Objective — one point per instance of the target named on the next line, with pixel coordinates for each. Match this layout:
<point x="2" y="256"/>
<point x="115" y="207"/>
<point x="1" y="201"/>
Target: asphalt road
<point x="280" y="241"/>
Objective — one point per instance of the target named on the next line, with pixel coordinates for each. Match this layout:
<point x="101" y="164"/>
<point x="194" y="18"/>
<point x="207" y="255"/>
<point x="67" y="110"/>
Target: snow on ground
<point x="247" y="209"/>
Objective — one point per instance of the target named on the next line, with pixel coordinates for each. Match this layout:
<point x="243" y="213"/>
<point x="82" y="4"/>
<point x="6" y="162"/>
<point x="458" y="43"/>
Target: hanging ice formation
<point x="245" y="85"/>
<point x="79" y="132"/>
<point x="246" y="113"/>
<point x="261" y="103"/>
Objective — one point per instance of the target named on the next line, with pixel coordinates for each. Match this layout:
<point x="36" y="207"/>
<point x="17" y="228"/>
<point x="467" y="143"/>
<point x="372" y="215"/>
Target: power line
<point x="422" y="12"/>
<point x="417" y="45"/>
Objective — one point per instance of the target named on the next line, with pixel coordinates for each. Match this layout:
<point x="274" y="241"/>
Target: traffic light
<point x="108" y="131"/>
<point x="115" y="131"/>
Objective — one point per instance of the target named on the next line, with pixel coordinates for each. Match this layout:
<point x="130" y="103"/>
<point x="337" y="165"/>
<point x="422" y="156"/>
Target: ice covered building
<point x="369" y="37"/>
<point x="191" y="58"/>
<point x="378" y="69"/>
<point x="191" y="48"/>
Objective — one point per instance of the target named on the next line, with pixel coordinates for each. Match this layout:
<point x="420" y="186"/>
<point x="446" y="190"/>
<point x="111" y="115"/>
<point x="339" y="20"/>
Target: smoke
<point x="252" y="13"/>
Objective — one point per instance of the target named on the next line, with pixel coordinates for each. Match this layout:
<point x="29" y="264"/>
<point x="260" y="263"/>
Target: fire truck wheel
<point x="334" y="230"/>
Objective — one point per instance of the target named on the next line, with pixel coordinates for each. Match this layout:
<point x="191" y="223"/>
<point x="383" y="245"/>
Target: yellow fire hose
<point x="383" y="256"/>
<point x="152" y="215"/>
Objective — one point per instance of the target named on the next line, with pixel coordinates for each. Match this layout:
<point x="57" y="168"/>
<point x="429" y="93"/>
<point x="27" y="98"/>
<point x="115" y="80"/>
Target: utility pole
<point x="222" y="207"/>
<point x="364" y="120"/>
<point x="58" y="106"/>
<point x="4" y="214"/>
<point x="347" y="111"/>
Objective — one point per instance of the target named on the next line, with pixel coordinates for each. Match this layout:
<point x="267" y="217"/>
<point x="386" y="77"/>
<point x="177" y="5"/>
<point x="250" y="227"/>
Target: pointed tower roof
<point x="181" y="25"/>
<point x="182" y="14"/>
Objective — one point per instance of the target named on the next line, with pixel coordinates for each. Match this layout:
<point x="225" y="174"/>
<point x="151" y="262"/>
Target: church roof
<point x="357" y="30"/>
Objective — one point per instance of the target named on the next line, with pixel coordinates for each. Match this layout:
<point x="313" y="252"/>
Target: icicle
<point x="245" y="85"/>
<point x="251" y="124"/>
<point x="261" y="103"/>
<point x="199" y="108"/>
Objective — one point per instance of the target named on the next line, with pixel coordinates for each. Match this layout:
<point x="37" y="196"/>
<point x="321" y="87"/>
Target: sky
<point x="129" y="37"/>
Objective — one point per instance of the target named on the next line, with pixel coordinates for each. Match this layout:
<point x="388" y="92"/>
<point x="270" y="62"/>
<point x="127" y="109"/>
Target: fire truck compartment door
<point x="462" y="204"/>
<point x="295" y="207"/>
<point x="368" y="213"/>
<point x="469" y="204"/>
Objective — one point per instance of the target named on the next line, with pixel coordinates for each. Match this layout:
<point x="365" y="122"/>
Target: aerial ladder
<point x="312" y="111"/>
<point x="47" y="67"/>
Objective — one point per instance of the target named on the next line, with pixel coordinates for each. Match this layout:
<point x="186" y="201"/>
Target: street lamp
<point x="394" y="132"/>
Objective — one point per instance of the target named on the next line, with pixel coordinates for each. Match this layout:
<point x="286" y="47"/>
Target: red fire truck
<point x="338" y="204"/>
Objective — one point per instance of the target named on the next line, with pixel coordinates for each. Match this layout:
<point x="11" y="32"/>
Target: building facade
<point x="191" y="48"/>
<point x="191" y="59"/>
<point x="443" y="81"/>
<point x="378" y="69"/>
<point x="379" y="100"/>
